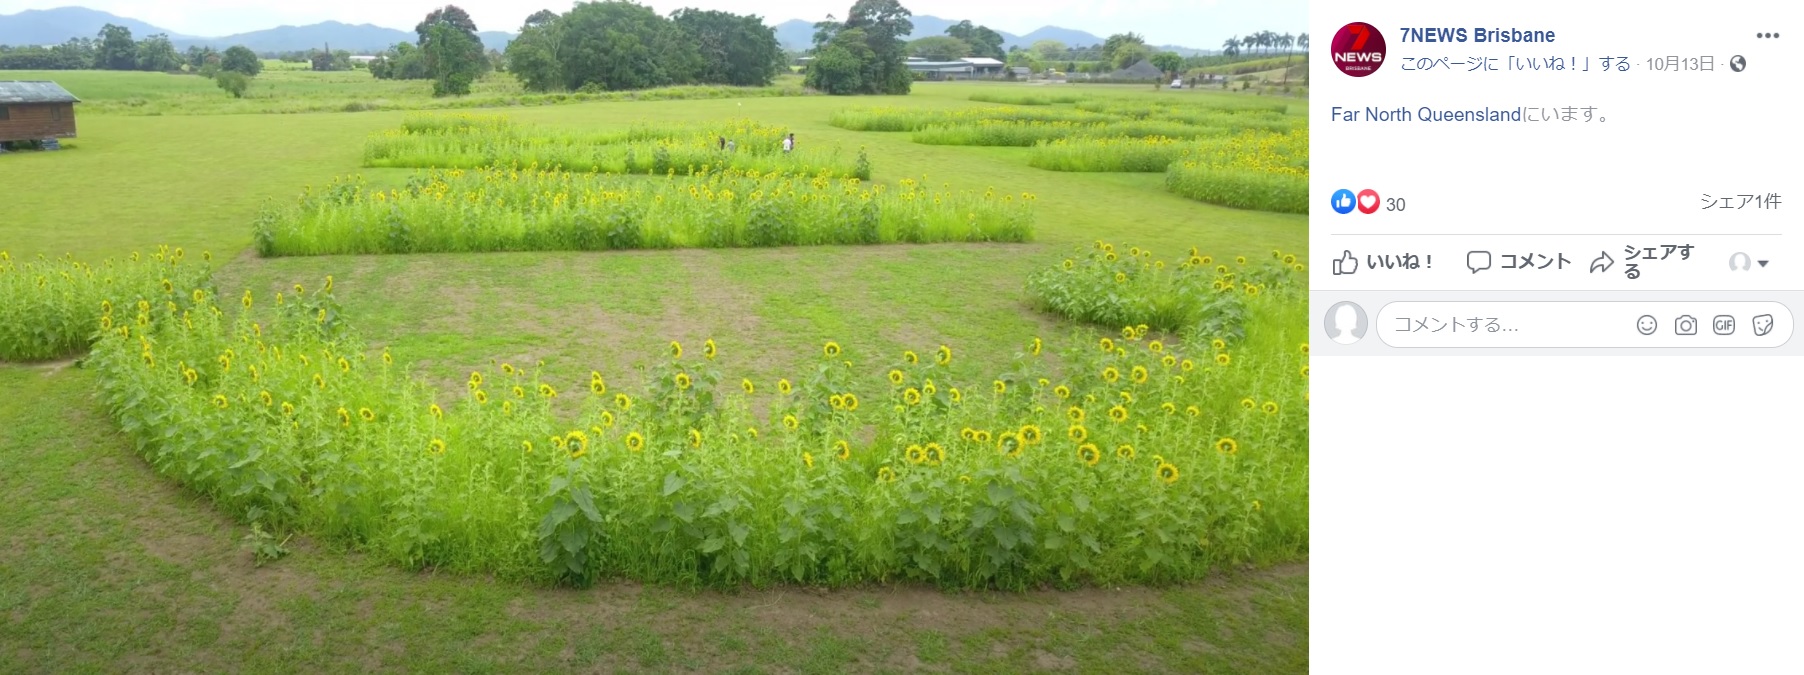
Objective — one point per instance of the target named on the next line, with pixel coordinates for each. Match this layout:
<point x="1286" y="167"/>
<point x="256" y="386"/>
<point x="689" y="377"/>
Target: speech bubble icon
<point x="1478" y="261"/>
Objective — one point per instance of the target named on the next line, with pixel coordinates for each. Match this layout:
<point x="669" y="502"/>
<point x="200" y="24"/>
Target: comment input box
<point x="1581" y="324"/>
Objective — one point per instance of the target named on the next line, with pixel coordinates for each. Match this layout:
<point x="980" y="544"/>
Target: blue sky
<point x="1193" y="23"/>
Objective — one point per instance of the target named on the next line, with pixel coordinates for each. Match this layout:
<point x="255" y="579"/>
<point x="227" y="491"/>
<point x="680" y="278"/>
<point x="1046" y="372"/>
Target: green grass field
<point x="109" y="566"/>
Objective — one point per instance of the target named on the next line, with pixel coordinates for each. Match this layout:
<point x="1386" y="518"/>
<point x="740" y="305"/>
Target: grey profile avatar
<point x="1346" y="323"/>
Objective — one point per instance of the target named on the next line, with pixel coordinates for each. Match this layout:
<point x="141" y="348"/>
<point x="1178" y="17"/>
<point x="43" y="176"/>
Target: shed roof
<point x="981" y="61"/>
<point x="37" y="91"/>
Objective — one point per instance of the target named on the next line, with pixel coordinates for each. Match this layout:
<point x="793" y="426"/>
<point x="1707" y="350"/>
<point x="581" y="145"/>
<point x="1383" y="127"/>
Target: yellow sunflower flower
<point x="1124" y="451"/>
<point x="1077" y="433"/>
<point x="1088" y="454"/>
<point x="1030" y="434"/>
<point x="844" y="450"/>
<point x="1168" y="473"/>
<point x="695" y="438"/>
<point x="676" y="349"/>
<point x="635" y="441"/>
<point x="1227" y="446"/>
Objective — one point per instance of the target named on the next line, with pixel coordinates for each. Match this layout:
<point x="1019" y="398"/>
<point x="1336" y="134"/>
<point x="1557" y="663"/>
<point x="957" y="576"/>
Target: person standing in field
<point x="789" y="143"/>
<point x="723" y="142"/>
<point x="732" y="146"/>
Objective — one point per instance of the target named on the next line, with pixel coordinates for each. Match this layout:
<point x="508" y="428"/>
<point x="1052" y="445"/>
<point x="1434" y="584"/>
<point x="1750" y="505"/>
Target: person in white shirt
<point x="789" y="143"/>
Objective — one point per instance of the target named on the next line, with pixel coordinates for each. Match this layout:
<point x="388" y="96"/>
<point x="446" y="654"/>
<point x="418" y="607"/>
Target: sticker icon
<point x="1342" y="201"/>
<point x="1763" y="324"/>
<point x="1368" y="201"/>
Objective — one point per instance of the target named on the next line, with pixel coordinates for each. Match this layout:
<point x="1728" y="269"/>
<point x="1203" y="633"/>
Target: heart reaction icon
<point x="1368" y="200"/>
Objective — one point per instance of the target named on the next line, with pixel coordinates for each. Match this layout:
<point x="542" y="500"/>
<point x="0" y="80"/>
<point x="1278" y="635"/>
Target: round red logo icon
<point x="1357" y="49"/>
<point x="1368" y="201"/>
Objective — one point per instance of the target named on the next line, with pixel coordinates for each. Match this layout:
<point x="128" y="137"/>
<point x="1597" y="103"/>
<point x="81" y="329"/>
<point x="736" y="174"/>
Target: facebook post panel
<point x="1555" y="289"/>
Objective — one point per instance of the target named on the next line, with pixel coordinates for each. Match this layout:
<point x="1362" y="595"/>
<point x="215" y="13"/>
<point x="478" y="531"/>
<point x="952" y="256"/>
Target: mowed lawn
<point x="106" y="565"/>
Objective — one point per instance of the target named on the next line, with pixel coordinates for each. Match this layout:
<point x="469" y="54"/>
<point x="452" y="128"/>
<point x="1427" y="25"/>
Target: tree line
<point x="115" y="49"/>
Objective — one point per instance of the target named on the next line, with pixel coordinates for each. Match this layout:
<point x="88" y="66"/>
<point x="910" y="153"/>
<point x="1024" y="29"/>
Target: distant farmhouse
<point x="961" y="69"/>
<point x="36" y="111"/>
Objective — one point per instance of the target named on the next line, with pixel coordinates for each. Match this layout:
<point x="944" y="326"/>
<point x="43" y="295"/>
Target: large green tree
<point x="1112" y="46"/>
<point x="622" y="45"/>
<point x="1168" y="62"/>
<point x="983" y="41"/>
<point x="454" y="57"/>
<point x="117" y="50"/>
<point x="734" y="49"/>
<point x="157" y="53"/>
<point x="240" y="59"/>
<point x="882" y="24"/>
<point x="532" y="56"/>
<point x="839" y="65"/>
<point x="1050" y="49"/>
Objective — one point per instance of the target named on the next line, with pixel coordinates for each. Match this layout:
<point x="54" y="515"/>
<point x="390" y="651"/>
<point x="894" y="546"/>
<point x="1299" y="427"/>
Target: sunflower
<point x="844" y="450"/>
<point x="607" y="420"/>
<point x="752" y="431"/>
<point x="1222" y="359"/>
<point x="597" y="386"/>
<point x="808" y="460"/>
<point x="1124" y="451"/>
<point x="577" y="443"/>
<point x="837" y="402"/>
<point x="436" y="447"/>
<point x="1227" y="446"/>
<point x="912" y="396"/>
<point x="1078" y="433"/>
<point x="344" y="417"/>
<point x="1110" y="374"/>
<point x="927" y="388"/>
<point x="831" y="349"/>
<point x="1118" y="414"/>
<point x="1242" y="260"/>
<point x="911" y="357"/>
<point x="1030" y="434"/>
<point x="1304" y="371"/>
<point x="1076" y="414"/>
<point x="219" y="400"/>
<point x="1223" y="269"/>
<point x="546" y="391"/>
<point x="1108" y="345"/>
<point x="1037" y="346"/>
<point x="916" y="454"/>
<point x="1270" y="407"/>
<point x="1069" y="263"/>
<point x="1063" y="391"/>
<point x="851" y="401"/>
<point x="1121" y="277"/>
<point x="623" y="402"/>
<point x="507" y="407"/>
<point x="895" y="377"/>
<point x="507" y="369"/>
<point x="709" y="350"/>
<point x="1290" y="260"/>
<point x="225" y="362"/>
<point x="967" y="433"/>
<point x="1194" y="261"/>
<point x="168" y="287"/>
<point x="1088" y="454"/>
<point x="945" y="355"/>
<point x="526" y="447"/>
<point x="747" y="385"/>
<point x="1186" y="365"/>
<point x="266" y="398"/>
<point x="1000" y="386"/>
<point x="1208" y="260"/>
<point x="783" y="387"/>
<point x="936" y="455"/>
<point x="635" y="441"/>
<point x="482" y="396"/>
<point x="475" y="379"/>
<point x="1009" y="443"/>
<point x="1134" y="251"/>
<point x="695" y="438"/>
<point x="1193" y="411"/>
<point x="682" y="380"/>
<point x="1138" y="374"/>
<point x="1155" y="347"/>
<point x="319" y="381"/>
<point x="980" y="435"/>
<point x="1168" y="472"/>
<point x="1252" y="289"/>
<point x="676" y="349"/>
<point x="1248" y="403"/>
<point x="886" y="475"/>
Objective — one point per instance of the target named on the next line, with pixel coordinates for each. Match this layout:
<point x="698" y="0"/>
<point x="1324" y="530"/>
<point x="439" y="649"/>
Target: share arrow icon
<point x="1602" y="263"/>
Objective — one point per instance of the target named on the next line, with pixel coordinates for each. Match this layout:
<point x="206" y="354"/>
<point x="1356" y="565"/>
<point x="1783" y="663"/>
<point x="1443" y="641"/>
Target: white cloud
<point x="1193" y="23"/>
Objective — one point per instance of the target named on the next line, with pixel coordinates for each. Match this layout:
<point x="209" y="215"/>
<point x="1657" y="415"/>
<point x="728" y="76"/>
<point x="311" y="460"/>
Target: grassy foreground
<point x="108" y="567"/>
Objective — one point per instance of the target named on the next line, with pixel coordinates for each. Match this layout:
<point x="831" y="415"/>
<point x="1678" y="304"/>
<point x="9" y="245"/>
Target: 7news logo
<point x="1357" y="49"/>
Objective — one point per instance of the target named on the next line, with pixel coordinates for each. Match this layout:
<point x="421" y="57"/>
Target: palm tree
<point x="1286" y="41"/>
<point x="1249" y="41"/>
<point x="1231" y="47"/>
<point x="1303" y="43"/>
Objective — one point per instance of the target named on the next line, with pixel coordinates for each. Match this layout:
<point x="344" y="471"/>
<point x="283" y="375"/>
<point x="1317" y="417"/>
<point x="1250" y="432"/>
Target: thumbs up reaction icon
<point x="1346" y="263"/>
<point x="1342" y="201"/>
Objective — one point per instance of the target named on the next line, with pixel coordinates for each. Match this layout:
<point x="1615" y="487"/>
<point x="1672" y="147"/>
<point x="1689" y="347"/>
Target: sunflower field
<point x="1199" y="297"/>
<point x="1025" y="99"/>
<point x="479" y="141"/>
<point x="52" y="308"/>
<point x="531" y="209"/>
<point x="1124" y="459"/>
<point x="1253" y="170"/>
<point x="998" y="133"/>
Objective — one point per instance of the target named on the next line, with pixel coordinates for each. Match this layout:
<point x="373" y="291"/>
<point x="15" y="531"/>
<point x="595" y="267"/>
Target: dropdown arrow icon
<point x="1762" y="262"/>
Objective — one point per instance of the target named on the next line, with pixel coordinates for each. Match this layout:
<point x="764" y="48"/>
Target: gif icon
<point x="1723" y="324"/>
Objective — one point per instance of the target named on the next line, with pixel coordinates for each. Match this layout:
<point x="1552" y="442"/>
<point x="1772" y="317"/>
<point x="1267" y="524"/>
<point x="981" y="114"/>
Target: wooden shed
<point x="36" y="110"/>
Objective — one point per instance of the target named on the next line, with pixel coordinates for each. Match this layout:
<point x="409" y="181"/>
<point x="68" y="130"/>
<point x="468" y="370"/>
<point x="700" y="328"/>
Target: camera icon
<point x="1686" y="325"/>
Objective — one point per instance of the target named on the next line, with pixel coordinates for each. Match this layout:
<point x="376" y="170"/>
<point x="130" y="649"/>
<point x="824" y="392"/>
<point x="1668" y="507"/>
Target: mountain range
<point x="55" y="26"/>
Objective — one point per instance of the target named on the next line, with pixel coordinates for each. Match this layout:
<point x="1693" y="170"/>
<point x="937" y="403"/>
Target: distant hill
<point x="56" y="26"/>
<point x="799" y="34"/>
